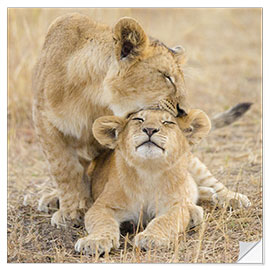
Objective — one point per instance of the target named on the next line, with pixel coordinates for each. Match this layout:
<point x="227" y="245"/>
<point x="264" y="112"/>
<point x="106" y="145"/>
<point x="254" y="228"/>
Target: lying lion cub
<point x="146" y="173"/>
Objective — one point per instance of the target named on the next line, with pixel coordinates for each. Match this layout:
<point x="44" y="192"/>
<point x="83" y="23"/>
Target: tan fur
<point x="210" y="189"/>
<point x="86" y="70"/>
<point x="147" y="181"/>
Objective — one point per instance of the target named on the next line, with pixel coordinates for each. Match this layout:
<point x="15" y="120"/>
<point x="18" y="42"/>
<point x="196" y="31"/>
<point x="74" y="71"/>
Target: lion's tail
<point x="226" y="118"/>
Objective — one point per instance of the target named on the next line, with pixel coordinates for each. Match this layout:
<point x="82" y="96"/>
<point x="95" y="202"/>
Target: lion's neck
<point x="147" y="190"/>
<point x="85" y="98"/>
<point x="149" y="174"/>
<point x="91" y="65"/>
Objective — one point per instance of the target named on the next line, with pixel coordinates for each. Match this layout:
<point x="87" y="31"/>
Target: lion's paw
<point x="147" y="241"/>
<point x="234" y="200"/>
<point x="43" y="206"/>
<point x="97" y="244"/>
<point x="47" y="203"/>
<point x="49" y="199"/>
<point x="196" y="216"/>
<point x="60" y="218"/>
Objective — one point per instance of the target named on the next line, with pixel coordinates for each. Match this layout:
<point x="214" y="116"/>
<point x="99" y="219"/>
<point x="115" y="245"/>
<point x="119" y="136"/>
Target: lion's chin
<point x="149" y="151"/>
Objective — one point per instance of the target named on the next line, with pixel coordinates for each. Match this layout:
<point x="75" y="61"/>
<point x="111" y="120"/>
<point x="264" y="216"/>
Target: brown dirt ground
<point x="224" y="68"/>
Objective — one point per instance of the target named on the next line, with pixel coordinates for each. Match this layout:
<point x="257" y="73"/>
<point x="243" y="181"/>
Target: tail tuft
<point x="226" y="118"/>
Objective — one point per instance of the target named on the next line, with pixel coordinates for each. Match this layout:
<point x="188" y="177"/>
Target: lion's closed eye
<point x="168" y="123"/>
<point x="138" y="119"/>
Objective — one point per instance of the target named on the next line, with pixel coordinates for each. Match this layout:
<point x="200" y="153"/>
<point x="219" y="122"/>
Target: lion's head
<point x="146" y="70"/>
<point x="153" y="136"/>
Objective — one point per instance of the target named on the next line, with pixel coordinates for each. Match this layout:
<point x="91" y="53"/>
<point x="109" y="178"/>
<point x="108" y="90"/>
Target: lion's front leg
<point x="165" y="228"/>
<point x="73" y="190"/>
<point x="103" y="229"/>
<point x="66" y="170"/>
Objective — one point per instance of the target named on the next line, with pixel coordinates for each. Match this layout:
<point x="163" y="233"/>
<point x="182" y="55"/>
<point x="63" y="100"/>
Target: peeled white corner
<point x="250" y="252"/>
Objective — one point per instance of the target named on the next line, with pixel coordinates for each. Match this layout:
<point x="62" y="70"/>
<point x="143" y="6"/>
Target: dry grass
<point x="224" y="68"/>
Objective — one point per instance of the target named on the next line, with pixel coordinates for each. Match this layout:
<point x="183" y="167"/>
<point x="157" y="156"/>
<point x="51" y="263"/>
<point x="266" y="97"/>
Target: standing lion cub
<point x="146" y="176"/>
<point x="86" y="70"/>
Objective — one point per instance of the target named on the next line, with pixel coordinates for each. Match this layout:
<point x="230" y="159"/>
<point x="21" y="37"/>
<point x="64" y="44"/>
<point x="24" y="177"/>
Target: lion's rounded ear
<point x="196" y="125"/>
<point x="130" y="39"/>
<point x="106" y="130"/>
<point x="180" y="54"/>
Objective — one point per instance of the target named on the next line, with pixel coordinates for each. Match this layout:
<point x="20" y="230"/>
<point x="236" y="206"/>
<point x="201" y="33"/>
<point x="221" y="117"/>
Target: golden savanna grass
<point x="224" y="68"/>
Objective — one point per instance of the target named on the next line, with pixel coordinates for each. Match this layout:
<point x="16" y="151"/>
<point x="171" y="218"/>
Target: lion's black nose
<point x="150" y="131"/>
<point x="180" y="112"/>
